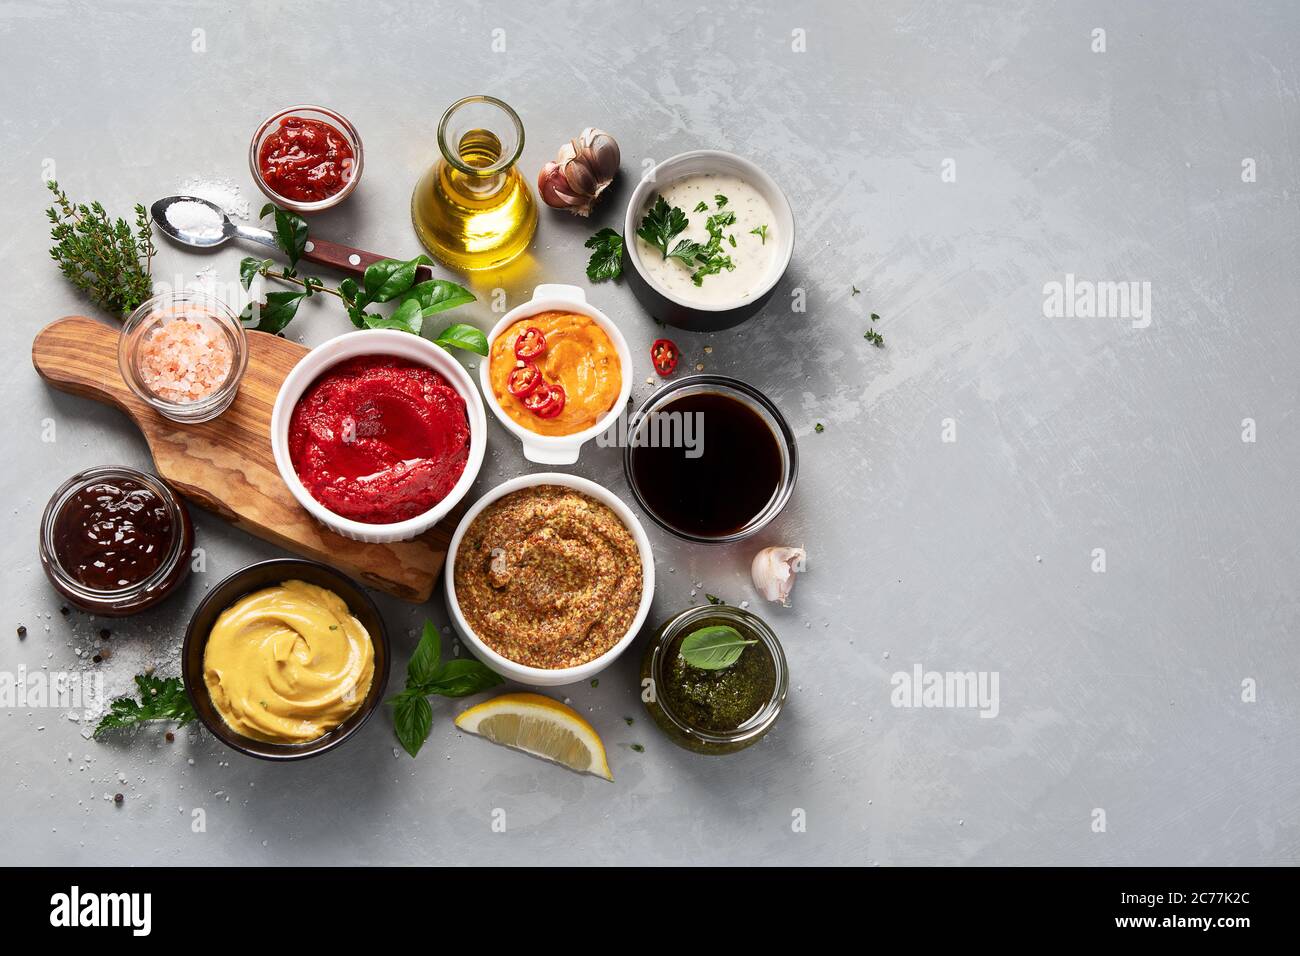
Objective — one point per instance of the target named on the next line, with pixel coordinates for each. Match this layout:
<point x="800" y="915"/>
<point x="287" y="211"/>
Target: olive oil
<point x="473" y="209"/>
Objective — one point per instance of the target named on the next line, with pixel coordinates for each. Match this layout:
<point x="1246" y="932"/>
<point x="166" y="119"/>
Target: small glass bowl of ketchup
<point x="306" y="158"/>
<point x="115" y="541"/>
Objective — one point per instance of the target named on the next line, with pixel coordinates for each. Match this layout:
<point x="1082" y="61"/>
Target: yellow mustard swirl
<point x="288" y="664"/>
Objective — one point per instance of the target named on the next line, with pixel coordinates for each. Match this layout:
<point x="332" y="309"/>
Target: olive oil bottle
<point x="473" y="209"/>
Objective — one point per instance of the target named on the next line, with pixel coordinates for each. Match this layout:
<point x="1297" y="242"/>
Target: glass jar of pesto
<point x="714" y="710"/>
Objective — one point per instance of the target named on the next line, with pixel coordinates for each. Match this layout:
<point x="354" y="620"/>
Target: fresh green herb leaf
<point x="685" y="250"/>
<point x="250" y="269"/>
<point x="713" y="598"/>
<point x="875" y="338"/>
<point x="819" y="428"/>
<point x="462" y="336"/>
<point x="595" y="682"/>
<point x="427" y="674"/>
<point x="423" y="664"/>
<point x="713" y="648"/>
<point x="637" y="748"/>
<point x="761" y="232"/>
<point x="719" y="221"/>
<point x="732" y="239"/>
<point x="711" y="263"/>
<point x="412" y="719"/>
<point x="290" y="233"/>
<point x="606" y="260"/>
<point x="662" y="224"/>
<point x="272" y="314"/>
<point x="856" y="291"/>
<point x="161" y="698"/>
<point x="106" y="259"/>
<point x="720" y="199"/>
<point x="437" y="295"/>
<point x="701" y="206"/>
<point x="388" y="278"/>
<point x="874" y="317"/>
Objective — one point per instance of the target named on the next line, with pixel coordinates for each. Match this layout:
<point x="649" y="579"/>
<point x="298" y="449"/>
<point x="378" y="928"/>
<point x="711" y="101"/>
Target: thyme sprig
<point x="105" y="258"/>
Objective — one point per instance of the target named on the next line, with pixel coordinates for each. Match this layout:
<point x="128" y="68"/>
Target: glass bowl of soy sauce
<point x="710" y="459"/>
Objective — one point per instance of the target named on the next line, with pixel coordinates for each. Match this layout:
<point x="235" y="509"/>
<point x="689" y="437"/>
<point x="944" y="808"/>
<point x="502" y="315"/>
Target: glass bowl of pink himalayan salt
<point x="184" y="354"/>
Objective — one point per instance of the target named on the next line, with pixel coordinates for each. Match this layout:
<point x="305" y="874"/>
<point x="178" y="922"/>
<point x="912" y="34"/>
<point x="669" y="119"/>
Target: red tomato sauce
<point x="305" y="160"/>
<point x="379" y="439"/>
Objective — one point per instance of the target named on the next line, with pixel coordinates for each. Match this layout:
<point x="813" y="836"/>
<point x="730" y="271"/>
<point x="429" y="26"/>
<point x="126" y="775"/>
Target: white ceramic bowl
<point x="557" y="449"/>
<point x="542" y="676"/>
<point x="671" y="308"/>
<point x="376" y="342"/>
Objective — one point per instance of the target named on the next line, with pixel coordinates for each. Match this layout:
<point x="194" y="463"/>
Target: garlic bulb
<point x="580" y="172"/>
<point x="774" y="569"/>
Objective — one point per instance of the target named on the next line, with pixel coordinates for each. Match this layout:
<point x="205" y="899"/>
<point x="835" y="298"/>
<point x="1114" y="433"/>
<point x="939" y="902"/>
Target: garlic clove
<point x="582" y="169"/>
<point x="773" y="571"/>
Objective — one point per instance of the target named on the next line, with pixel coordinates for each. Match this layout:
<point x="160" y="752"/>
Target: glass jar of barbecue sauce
<point x="714" y="711"/>
<point x="115" y="541"/>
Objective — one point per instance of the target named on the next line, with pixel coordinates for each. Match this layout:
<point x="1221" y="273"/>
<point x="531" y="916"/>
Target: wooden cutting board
<point x="226" y="465"/>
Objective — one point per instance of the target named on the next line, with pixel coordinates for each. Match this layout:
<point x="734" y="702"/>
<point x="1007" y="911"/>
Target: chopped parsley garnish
<point x="761" y="232"/>
<point x="662" y="224"/>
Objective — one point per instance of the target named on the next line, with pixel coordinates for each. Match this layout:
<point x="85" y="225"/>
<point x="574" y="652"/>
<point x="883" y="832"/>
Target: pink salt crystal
<point x="185" y="358"/>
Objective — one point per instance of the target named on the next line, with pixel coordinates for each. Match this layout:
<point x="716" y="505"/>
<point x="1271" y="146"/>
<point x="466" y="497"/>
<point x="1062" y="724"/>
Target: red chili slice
<point x="664" y="355"/>
<point x="539" y="400"/>
<point x="530" y="343"/>
<point x="523" y="379"/>
<point x="555" y="403"/>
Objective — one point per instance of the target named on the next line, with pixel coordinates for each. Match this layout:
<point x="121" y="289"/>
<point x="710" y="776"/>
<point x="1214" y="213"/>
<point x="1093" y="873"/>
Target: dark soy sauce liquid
<point x="725" y="488"/>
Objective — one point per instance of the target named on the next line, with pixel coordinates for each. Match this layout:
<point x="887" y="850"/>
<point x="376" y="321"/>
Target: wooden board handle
<point x="226" y="465"/>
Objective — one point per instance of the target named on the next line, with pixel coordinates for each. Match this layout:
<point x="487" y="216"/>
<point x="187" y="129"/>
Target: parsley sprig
<point x="161" y="698"/>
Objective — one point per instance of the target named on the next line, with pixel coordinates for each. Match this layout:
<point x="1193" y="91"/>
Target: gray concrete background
<point x="1120" y="691"/>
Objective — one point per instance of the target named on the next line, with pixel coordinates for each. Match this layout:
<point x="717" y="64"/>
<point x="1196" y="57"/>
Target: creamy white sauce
<point x="751" y="256"/>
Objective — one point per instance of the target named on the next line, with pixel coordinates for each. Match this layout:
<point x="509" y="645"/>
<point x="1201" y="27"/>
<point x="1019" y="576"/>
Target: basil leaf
<point x="438" y="295"/>
<point x="713" y="648"/>
<point x="662" y="224"/>
<point x="290" y="232"/>
<point x="274" y="313"/>
<point x="407" y="318"/>
<point x="606" y="261"/>
<point x="461" y="336"/>
<point x="424" y="662"/>
<point x="389" y="278"/>
<point x="250" y="269"/>
<point x="462" y="677"/>
<point x="412" y="719"/>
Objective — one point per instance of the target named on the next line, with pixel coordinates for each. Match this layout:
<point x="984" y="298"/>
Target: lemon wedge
<point x="539" y="726"/>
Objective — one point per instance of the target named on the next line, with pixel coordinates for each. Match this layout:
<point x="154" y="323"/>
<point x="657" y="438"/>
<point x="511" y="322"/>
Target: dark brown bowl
<point x="254" y="578"/>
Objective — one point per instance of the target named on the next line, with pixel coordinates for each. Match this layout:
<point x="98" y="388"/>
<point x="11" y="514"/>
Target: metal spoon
<point x="332" y="254"/>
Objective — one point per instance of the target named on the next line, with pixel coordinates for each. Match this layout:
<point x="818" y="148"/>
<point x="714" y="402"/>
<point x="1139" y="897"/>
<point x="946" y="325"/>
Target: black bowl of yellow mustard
<point x="285" y="659"/>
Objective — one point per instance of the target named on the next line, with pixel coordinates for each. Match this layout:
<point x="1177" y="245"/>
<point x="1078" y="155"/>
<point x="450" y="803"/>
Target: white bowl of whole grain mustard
<point x="580" y="352"/>
<point x="725" y="199"/>
<point x="526" y="540"/>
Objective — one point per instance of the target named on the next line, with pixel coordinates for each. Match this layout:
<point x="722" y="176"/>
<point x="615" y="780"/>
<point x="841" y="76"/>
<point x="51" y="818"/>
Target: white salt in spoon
<point x="201" y="224"/>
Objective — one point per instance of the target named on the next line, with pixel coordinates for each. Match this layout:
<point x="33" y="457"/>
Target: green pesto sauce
<point x="719" y="701"/>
